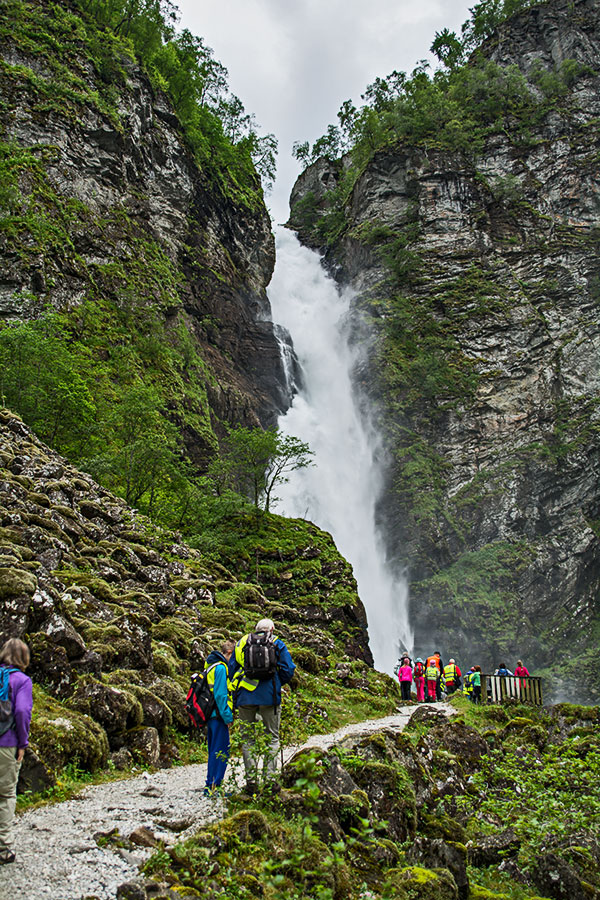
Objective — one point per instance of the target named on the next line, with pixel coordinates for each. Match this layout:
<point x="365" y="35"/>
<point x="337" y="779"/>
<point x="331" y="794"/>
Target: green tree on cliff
<point x="254" y="462"/>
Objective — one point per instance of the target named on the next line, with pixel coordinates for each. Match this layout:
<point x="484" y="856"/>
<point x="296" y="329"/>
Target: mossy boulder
<point x="391" y="795"/>
<point x="172" y="694"/>
<point x="165" y="661"/>
<point x="489" y="849"/>
<point x="555" y="878"/>
<point x="115" y="709"/>
<point x="59" y="736"/>
<point x="61" y="632"/>
<point x="17" y="587"/>
<point x="157" y="713"/>
<point x="247" y="826"/>
<point x="123" y="643"/>
<point x="416" y="883"/>
<point x="177" y="633"/>
<point x="34" y="776"/>
<point x="16" y="582"/>
<point x="439" y="854"/>
<point x="50" y="664"/>
<point x="144" y="744"/>
<point x="308" y="660"/>
<point x="441" y="826"/>
<point x="462" y="741"/>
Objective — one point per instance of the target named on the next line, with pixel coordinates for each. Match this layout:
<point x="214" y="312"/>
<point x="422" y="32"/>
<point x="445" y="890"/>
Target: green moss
<point x="62" y="736"/>
<point x="176" y="633"/>
<point x="15" y="582"/>
<point x="416" y="883"/>
<point x="574" y="713"/>
<point x="165" y="660"/>
<point x="441" y="826"/>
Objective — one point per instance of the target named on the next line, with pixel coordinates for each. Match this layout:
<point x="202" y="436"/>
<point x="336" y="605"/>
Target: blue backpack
<point x="6" y="712"/>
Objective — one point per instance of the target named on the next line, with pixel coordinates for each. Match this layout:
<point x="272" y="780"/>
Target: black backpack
<point x="6" y="711"/>
<point x="260" y="656"/>
<point x="200" y="700"/>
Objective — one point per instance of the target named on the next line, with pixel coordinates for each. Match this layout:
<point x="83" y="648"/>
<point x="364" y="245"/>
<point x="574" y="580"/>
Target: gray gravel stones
<point x="57" y="854"/>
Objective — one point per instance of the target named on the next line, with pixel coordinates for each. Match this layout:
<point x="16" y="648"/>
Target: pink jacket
<point x="405" y="673"/>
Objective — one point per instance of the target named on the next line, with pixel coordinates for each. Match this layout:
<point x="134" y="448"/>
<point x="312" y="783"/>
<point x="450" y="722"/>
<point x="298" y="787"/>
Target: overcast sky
<point x="294" y="62"/>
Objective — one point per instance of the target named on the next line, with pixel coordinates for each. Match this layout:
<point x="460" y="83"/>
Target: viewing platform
<point x="497" y="688"/>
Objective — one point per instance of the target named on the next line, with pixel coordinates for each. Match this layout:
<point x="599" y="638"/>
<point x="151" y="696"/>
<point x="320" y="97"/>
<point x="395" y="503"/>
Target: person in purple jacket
<point x="14" y="654"/>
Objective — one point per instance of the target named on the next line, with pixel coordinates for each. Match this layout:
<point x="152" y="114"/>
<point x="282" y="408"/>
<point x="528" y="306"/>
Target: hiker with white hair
<point x="259" y="667"/>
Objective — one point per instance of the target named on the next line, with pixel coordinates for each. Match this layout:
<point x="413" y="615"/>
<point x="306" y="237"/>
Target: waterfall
<point x="340" y="491"/>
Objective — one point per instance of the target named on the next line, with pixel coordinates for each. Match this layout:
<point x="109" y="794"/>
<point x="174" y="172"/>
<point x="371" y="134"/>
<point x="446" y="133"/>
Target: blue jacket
<point x="268" y="693"/>
<point x="221" y="688"/>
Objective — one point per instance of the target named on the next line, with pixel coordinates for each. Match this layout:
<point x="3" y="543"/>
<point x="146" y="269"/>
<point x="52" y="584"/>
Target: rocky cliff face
<point x="104" y="204"/>
<point x="119" y="613"/>
<point x="491" y="404"/>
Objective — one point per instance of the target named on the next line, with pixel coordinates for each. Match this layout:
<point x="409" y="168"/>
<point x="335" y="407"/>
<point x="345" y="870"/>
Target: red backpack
<point x="419" y="670"/>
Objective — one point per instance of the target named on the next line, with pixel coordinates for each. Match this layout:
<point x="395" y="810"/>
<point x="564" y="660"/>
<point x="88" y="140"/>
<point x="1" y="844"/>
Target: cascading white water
<point x="339" y="492"/>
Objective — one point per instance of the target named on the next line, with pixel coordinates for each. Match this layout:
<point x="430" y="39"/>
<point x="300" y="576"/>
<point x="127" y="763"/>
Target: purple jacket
<point x="22" y="701"/>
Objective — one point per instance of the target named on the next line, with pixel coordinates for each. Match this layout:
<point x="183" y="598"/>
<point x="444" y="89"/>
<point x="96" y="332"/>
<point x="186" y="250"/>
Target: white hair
<point x="266" y="625"/>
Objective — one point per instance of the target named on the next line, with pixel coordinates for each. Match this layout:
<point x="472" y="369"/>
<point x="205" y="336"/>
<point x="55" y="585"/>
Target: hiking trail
<point x="58" y="857"/>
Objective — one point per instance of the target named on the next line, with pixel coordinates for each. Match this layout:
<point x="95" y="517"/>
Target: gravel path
<point x="57" y="854"/>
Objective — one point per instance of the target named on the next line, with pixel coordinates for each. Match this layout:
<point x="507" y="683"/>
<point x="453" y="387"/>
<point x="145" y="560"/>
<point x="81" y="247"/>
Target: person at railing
<point x="468" y="683"/>
<point x="476" y="682"/>
<point x="436" y="660"/>
<point x="520" y="672"/>
<point x="502" y="670"/>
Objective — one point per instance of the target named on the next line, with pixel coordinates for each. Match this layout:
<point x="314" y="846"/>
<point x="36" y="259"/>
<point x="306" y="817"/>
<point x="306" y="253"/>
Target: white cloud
<point x="293" y="62"/>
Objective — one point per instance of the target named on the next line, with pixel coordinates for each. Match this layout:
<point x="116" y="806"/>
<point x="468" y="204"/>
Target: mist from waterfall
<point x="340" y="491"/>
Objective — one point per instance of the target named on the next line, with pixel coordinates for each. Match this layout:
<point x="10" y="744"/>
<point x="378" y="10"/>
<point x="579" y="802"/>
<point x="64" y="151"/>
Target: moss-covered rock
<point x="15" y="582"/>
<point x="415" y="883"/>
<point x="62" y="736"/>
<point x="391" y="795"/>
<point x="115" y="709"/>
<point x="144" y="744"/>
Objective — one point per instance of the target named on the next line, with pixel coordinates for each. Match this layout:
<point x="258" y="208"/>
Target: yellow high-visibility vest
<point x="450" y="673"/>
<point x="210" y="680"/>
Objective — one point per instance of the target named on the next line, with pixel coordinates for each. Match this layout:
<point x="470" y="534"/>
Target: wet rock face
<point x="555" y="878"/>
<point x="133" y="175"/>
<point x="491" y="849"/>
<point x="497" y="526"/>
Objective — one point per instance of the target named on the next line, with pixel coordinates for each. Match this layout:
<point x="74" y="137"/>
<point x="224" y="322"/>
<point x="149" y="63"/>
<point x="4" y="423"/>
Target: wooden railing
<point x="496" y="688"/>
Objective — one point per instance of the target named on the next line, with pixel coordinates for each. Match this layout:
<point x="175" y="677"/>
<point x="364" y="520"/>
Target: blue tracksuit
<point x="217" y="732"/>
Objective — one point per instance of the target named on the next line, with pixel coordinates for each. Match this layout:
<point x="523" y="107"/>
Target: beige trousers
<point x="270" y="719"/>
<point x="9" y="775"/>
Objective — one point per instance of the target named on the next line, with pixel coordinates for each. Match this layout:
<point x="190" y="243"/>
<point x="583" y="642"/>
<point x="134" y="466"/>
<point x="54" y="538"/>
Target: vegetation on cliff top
<point x="111" y="34"/>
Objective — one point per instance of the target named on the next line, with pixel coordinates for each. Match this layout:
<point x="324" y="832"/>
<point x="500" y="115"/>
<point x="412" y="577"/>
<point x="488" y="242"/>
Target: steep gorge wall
<point x="105" y="211"/>
<point x="485" y="362"/>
